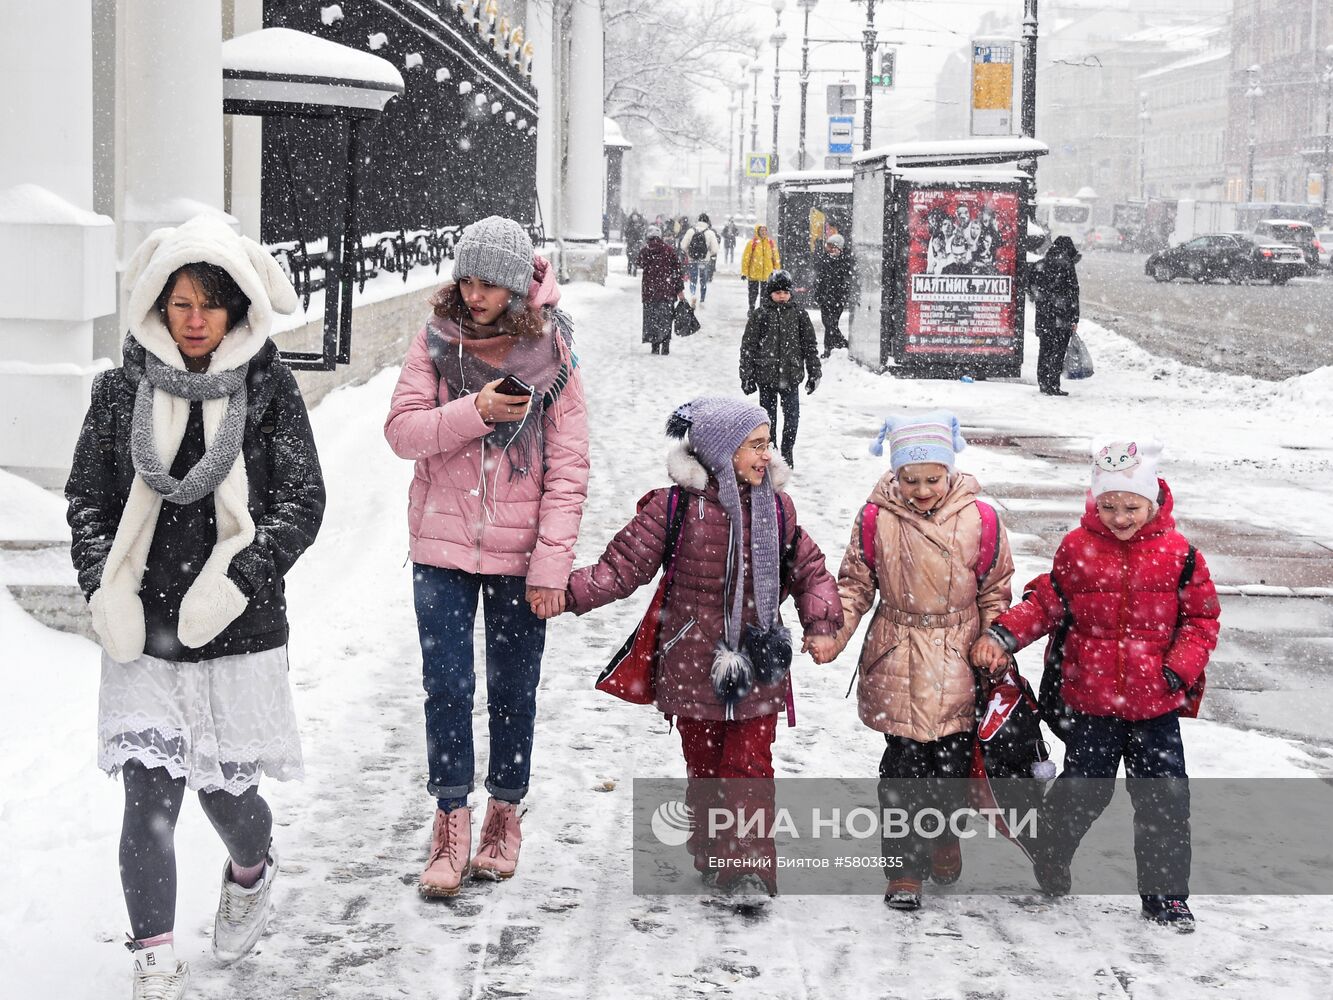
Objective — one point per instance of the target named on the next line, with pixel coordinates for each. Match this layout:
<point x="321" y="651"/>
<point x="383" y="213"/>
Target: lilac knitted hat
<point x="715" y="427"/>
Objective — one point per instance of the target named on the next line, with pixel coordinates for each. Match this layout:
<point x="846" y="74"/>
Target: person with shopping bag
<point x="1055" y="286"/>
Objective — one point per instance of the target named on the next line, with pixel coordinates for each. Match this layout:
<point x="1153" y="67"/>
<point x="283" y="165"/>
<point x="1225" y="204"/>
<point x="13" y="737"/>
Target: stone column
<point x="57" y="256"/>
<point x="172" y="121"/>
<point x="584" y="248"/>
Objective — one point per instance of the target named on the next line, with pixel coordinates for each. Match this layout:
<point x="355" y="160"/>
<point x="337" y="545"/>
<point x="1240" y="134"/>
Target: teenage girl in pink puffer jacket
<point x="494" y="507"/>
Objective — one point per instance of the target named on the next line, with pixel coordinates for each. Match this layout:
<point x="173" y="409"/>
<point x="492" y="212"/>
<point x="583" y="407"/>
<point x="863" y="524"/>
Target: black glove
<point x="1173" y="681"/>
<point x="749" y="388"/>
<point x="811" y="386"/>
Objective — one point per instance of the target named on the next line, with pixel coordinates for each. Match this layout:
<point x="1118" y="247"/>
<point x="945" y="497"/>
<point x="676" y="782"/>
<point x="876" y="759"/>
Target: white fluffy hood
<point x="206" y="239"/>
<point x="686" y="470"/>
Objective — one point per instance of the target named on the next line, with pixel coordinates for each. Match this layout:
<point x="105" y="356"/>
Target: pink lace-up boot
<point x="450" y="842"/>
<point x="497" y="857"/>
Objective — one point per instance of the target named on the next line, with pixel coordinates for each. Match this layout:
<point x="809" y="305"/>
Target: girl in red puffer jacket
<point x="738" y="548"/>
<point x="1142" y="618"/>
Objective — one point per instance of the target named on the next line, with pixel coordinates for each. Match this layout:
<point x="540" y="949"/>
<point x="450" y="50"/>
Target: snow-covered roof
<point x="814" y="178"/>
<point x="281" y="53"/>
<point x="612" y="136"/>
<point x="996" y="149"/>
<point x="957" y="175"/>
<point x="31" y="204"/>
<point x="1189" y="62"/>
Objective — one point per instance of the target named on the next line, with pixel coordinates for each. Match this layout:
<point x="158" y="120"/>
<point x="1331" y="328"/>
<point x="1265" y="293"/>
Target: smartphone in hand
<point x="512" y="385"/>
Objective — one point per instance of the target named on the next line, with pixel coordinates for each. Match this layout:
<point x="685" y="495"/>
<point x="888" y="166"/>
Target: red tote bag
<point x="631" y="674"/>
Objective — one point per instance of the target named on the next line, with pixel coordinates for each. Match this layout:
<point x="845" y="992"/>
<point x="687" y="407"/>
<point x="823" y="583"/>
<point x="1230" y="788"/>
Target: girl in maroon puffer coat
<point x="1142" y="618"/>
<point x="723" y="654"/>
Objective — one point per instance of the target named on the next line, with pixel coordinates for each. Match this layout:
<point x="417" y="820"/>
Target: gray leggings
<point x="147" y="840"/>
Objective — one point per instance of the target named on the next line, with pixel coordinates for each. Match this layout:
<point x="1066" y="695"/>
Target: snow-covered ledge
<point x="57" y="274"/>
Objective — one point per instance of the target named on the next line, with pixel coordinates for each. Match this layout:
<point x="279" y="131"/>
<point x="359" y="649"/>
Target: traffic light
<point x="886" y="69"/>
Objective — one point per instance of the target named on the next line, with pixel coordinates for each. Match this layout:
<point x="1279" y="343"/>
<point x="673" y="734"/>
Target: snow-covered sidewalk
<point x="353" y="835"/>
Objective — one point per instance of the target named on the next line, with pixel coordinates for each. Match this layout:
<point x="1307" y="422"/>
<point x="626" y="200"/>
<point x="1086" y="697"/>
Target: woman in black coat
<point x="1055" y="285"/>
<point x="194" y="487"/>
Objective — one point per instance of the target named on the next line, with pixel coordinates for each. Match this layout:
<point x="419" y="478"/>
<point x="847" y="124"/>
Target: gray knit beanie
<point x="496" y="250"/>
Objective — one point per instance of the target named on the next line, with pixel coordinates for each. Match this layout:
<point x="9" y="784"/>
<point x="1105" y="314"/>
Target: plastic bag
<point x="1078" y="359"/>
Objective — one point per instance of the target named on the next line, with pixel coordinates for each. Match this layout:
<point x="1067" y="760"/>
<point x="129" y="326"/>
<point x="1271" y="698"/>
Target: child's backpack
<point x="987" y="552"/>
<point x="698" y="246"/>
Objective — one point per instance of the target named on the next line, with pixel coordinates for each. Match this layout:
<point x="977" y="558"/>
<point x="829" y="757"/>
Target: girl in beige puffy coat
<point x="941" y="565"/>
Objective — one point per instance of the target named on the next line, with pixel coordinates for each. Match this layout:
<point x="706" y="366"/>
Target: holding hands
<point x="546" y="602"/>
<point x="988" y="655"/>
<point x="822" y="648"/>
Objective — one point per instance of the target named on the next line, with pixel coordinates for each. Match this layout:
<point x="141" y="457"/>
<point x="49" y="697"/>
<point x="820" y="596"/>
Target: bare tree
<point x="661" y="59"/>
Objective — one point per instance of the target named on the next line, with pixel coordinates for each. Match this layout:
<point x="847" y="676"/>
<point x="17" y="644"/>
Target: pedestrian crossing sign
<point x="756" y="165"/>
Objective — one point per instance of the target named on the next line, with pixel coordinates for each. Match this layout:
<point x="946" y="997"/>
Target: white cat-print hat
<point x="1125" y="464"/>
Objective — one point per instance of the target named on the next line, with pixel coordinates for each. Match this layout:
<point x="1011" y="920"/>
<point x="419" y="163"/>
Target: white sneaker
<point x="243" y="913"/>
<point x="157" y="974"/>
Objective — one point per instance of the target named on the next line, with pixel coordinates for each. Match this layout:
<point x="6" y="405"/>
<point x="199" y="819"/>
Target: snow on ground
<point x="353" y="835"/>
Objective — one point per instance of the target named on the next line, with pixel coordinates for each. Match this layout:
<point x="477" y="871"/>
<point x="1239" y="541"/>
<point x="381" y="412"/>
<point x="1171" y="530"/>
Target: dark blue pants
<point x="699" y="275"/>
<point x="446" y="603"/>
<point x="1158" y="789"/>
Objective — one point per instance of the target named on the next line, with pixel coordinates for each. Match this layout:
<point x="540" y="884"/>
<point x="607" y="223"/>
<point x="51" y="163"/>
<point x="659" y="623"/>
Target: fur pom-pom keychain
<point x="732" y="676"/>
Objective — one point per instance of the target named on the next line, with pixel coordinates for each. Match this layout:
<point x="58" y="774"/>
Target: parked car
<point x="1324" y="244"/>
<point x="1297" y="233"/>
<point x="1104" y="238"/>
<point x="1238" y="257"/>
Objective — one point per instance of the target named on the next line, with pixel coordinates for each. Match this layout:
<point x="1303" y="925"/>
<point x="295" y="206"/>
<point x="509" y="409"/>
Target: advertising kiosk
<point x="805" y="208"/>
<point x="940" y="232"/>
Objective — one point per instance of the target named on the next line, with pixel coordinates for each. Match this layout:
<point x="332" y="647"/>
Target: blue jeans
<point x="446" y="604"/>
<point x="1158" y="789"/>
<point x="699" y="277"/>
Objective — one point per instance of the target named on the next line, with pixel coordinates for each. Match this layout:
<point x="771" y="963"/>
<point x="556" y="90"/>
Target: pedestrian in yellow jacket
<point x="759" y="259"/>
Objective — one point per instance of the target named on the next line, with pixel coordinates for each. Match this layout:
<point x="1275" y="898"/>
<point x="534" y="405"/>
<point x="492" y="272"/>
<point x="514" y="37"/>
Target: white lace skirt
<point x="219" y="724"/>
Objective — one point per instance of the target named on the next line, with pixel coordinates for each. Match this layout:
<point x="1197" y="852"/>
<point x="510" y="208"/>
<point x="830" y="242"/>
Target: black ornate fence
<point x="458" y="145"/>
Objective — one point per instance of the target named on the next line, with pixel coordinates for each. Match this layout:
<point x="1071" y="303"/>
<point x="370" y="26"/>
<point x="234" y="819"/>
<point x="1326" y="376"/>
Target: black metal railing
<point x="305" y="261"/>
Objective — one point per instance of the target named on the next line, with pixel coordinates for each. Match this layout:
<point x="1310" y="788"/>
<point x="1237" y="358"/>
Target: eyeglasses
<point x="762" y="448"/>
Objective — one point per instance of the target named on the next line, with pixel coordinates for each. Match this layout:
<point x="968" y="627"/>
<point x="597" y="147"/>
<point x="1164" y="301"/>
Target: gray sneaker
<point x="243" y="913"/>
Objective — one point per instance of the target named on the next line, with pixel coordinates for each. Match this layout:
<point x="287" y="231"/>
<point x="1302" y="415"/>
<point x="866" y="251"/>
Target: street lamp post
<point x="869" y="36"/>
<point x="777" y="40"/>
<point x="755" y="70"/>
<point x="1144" y="119"/>
<point x="742" y="87"/>
<point x="807" y="6"/>
<point x="1252" y="93"/>
<point x="1328" y="123"/>
<point x="731" y="143"/>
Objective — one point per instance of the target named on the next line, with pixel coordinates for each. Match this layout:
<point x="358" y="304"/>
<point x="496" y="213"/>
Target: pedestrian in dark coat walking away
<point x="833" y="289"/>
<point x="730" y="232"/>
<point x="1055" y="285"/>
<point x="635" y="230"/>
<point x="662" y="284"/>
<point x="737" y="553"/>
<point x="1139" y="614"/>
<point x="777" y="350"/>
<point x="195" y="486"/>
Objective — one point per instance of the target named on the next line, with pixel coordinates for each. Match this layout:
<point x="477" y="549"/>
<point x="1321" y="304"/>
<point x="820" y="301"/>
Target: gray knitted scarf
<point x="209" y="471"/>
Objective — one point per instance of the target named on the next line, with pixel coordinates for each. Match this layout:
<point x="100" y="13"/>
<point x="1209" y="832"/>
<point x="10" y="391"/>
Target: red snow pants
<point x="730" y="788"/>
